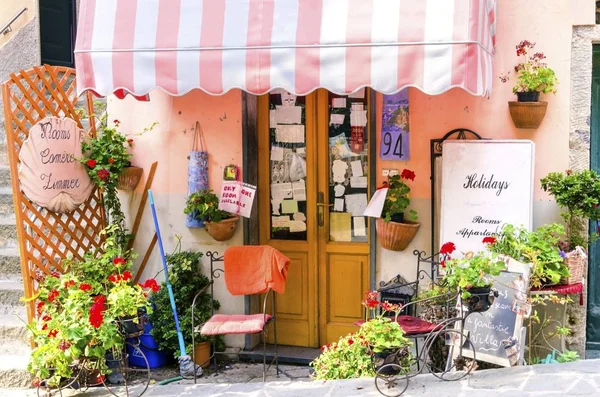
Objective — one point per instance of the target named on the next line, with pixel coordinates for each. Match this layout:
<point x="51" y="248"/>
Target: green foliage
<point x="77" y="311"/>
<point x="397" y="200"/>
<point x="204" y="205"/>
<point x="437" y="294"/>
<point x="532" y="74"/>
<point x="568" y="356"/>
<point x="383" y="334"/>
<point x="579" y="194"/>
<point x="540" y="248"/>
<point x="186" y="280"/>
<point x="472" y="271"/>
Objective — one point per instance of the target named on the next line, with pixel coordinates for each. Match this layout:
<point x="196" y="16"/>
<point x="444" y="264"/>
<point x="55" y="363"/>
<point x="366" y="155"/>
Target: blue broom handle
<point x="164" y="262"/>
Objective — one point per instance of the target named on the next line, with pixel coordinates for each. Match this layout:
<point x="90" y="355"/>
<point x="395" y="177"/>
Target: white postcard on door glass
<point x="356" y="203"/>
<point x="357" y="168"/>
<point x="276" y="153"/>
<point x="358" y="118"/>
<point x="358" y="182"/>
<point x="359" y="226"/>
<point x="289" y="133"/>
<point x="339" y="102"/>
<point x="288" y="114"/>
<point x="299" y="190"/>
<point x="337" y="118"/>
<point x="339" y="205"/>
<point x="281" y="190"/>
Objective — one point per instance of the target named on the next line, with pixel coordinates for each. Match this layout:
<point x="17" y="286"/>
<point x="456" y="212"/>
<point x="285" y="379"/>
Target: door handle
<point x="320" y="209"/>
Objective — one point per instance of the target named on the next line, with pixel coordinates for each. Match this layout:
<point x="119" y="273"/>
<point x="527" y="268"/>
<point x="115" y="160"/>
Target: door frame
<point x="250" y="133"/>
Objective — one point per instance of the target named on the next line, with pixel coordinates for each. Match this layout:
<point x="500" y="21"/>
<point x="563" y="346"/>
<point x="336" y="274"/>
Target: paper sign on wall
<point x="237" y="198"/>
<point x="485" y="185"/>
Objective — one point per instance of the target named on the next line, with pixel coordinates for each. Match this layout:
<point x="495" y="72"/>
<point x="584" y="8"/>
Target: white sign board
<point x="485" y="184"/>
<point x="237" y="198"/>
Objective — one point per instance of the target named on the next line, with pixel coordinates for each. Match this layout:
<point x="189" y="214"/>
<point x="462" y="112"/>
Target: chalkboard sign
<point x="490" y="331"/>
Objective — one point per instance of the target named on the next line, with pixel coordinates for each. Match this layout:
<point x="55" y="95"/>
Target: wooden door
<point x="306" y="158"/>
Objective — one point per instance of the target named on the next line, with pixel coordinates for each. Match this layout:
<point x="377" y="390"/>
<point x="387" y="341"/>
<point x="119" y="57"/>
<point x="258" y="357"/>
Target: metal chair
<point x="223" y="324"/>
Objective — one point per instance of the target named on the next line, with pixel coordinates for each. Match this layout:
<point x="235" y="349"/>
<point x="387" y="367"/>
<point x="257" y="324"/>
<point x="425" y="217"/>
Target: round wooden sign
<point x="49" y="172"/>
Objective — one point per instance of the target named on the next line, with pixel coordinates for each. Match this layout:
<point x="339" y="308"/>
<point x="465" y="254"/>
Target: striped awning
<point x="297" y="45"/>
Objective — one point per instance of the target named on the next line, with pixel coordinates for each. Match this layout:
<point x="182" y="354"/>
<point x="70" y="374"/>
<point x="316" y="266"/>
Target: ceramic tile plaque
<point x="49" y="172"/>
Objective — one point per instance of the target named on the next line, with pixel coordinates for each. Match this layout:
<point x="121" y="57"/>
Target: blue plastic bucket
<point x="148" y="346"/>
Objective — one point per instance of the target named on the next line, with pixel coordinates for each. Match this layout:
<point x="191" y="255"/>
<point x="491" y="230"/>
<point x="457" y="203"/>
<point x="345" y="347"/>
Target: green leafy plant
<point x="472" y="270"/>
<point x="547" y="329"/>
<point x="397" y="200"/>
<point x="187" y="281"/>
<point x="436" y="294"/>
<point x="568" y="356"/>
<point x="77" y="311"/>
<point x="578" y="193"/>
<point x="533" y="75"/>
<point x="204" y="205"/>
<point x="352" y="356"/>
<point x="539" y="247"/>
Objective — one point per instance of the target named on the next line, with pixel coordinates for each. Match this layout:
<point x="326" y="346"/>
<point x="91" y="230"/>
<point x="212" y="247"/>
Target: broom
<point x="186" y="366"/>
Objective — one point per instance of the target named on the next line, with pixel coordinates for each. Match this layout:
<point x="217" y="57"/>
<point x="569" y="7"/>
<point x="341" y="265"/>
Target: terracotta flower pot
<point x="528" y="115"/>
<point x="202" y="354"/>
<point x="130" y="178"/>
<point x="222" y="231"/>
<point x="396" y="236"/>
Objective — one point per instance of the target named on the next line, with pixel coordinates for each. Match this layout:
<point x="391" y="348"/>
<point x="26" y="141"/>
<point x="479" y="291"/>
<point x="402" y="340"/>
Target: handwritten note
<point x="288" y="114"/>
<point x="289" y="133"/>
<point x="299" y="190"/>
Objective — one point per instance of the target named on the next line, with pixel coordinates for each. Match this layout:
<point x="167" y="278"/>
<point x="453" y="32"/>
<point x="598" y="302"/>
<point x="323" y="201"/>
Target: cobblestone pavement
<point x="581" y="378"/>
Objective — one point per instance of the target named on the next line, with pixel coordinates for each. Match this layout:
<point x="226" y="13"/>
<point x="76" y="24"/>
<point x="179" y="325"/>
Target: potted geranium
<point x="473" y="276"/>
<point x="204" y="206"/>
<point x="578" y="194"/>
<point x="77" y="314"/>
<point x="394" y="231"/>
<point x="534" y="77"/>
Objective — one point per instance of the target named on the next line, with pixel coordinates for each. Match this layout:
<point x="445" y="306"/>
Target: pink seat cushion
<point x="225" y="324"/>
<point x="410" y="325"/>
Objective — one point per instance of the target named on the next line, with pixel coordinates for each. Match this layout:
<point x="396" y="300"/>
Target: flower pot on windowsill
<point x="130" y="178"/>
<point x="223" y="230"/>
<point x="527" y="112"/>
<point x="396" y="236"/>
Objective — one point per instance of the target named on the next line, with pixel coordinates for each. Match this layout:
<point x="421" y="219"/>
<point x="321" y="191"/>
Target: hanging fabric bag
<point x="197" y="171"/>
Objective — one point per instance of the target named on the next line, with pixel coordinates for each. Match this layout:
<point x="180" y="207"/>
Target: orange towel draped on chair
<point x="253" y="269"/>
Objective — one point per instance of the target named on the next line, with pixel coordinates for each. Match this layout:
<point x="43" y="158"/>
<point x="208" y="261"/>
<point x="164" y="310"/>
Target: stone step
<point x="4" y="175"/>
<point x="11" y="292"/>
<point x="13" y="371"/>
<point x="10" y="263"/>
<point x="8" y="231"/>
<point x="6" y="200"/>
<point x="12" y="324"/>
<point x="14" y="348"/>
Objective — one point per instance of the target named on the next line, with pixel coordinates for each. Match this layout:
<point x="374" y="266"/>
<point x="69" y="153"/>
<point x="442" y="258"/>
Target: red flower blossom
<point x="40" y="307"/>
<point x="64" y="345"/>
<point x="489" y="240"/>
<point x="390" y="307"/>
<point x="130" y="142"/>
<point x="85" y="287"/>
<point x="118" y="261"/>
<point x="44" y="327"/>
<point x="115" y="278"/>
<point x="91" y="163"/>
<point x="126" y="275"/>
<point x="100" y="379"/>
<point x="117" y="122"/>
<point x="407" y="174"/>
<point x="52" y="295"/>
<point x="111" y="160"/>
<point x="55" y="274"/>
<point x="100" y="299"/>
<point x="96" y="318"/>
<point x="443" y="264"/>
<point x="53" y="333"/>
<point x="152" y="284"/>
<point x="46" y="318"/>
<point x="69" y="283"/>
<point x="350" y="342"/>
<point x="447" y="248"/>
<point x="103" y="174"/>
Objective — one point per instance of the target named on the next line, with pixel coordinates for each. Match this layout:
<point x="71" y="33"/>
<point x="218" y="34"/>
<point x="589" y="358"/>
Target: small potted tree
<point x="578" y="194"/>
<point x="534" y="77"/>
<point x="393" y="230"/>
<point x="473" y="276"/>
<point x="204" y="206"/>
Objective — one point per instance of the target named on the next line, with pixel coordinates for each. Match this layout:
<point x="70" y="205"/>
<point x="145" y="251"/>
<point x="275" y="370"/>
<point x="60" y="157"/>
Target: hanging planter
<point x="396" y="236"/>
<point x="222" y="230"/>
<point x="527" y="115"/>
<point x="130" y="178"/>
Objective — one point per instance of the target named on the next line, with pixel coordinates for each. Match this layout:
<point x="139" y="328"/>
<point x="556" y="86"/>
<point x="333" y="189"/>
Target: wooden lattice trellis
<point x="47" y="238"/>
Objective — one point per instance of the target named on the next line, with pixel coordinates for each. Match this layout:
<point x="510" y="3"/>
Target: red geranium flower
<point x="443" y="264"/>
<point x="447" y="248"/>
<point x="52" y="295"/>
<point x="40" y="307"/>
<point x="64" y="345"/>
<point x="115" y="278"/>
<point x="55" y="274"/>
<point x="117" y="122"/>
<point x="489" y="240"/>
<point x="111" y="160"/>
<point x="69" y="283"/>
<point x="100" y="299"/>
<point x="118" y="261"/>
<point x="126" y="275"/>
<point x="46" y="318"/>
<point x="152" y="284"/>
<point x="52" y="334"/>
<point x="103" y="174"/>
<point x="351" y="341"/>
<point x="85" y="287"/>
<point x="91" y="163"/>
<point x="407" y="174"/>
<point x="100" y="379"/>
<point x="96" y="318"/>
<point x="44" y="327"/>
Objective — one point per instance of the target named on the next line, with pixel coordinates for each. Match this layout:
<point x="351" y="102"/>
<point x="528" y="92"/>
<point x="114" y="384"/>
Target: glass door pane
<point x="348" y="168"/>
<point x="287" y="121"/>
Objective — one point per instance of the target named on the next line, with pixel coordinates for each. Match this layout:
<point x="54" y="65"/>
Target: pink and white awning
<point x="297" y="45"/>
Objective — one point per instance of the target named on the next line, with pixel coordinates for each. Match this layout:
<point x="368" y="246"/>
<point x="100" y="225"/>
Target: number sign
<point x="485" y="184"/>
<point x="49" y="171"/>
<point x="394" y="127"/>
